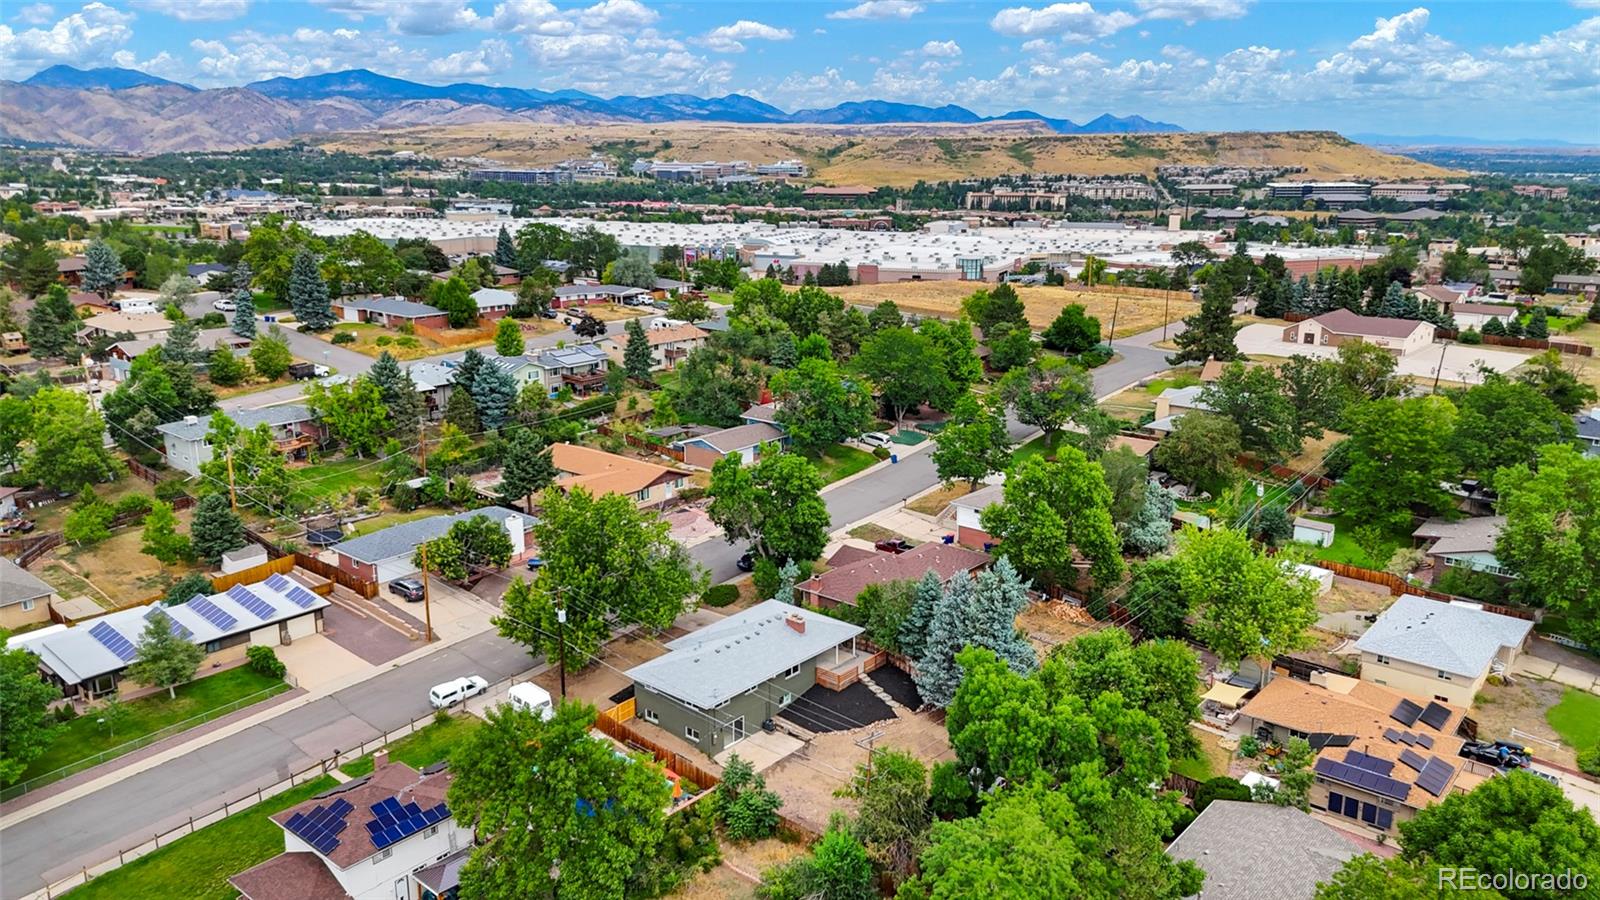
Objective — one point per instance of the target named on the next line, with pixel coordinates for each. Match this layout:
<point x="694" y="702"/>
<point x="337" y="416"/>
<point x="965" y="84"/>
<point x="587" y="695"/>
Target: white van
<point x="457" y="691"/>
<point x="137" y="306"/>
<point x="529" y="696"/>
<point x="876" y="439"/>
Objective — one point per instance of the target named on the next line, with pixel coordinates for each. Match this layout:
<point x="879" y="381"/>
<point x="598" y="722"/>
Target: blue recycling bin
<point x="894" y="458"/>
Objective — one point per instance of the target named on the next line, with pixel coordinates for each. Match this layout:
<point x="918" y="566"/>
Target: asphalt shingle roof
<point x="394" y="306"/>
<point x="1343" y="321"/>
<point x="1476" y="535"/>
<point x="275" y="416"/>
<point x="402" y="539"/>
<point x="1258" y="851"/>
<point x="18" y="584"/>
<point x="1448" y="636"/>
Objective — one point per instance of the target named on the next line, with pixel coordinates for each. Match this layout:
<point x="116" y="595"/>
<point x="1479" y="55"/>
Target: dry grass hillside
<point x="1135" y="311"/>
<point x="898" y="155"/>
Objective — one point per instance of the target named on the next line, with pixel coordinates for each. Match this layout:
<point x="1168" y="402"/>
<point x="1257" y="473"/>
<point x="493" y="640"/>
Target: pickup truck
<point x="300" y="371"/>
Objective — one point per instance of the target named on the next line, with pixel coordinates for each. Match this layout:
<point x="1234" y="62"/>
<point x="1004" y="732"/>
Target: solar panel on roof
<point x="1406" y="713"/>
<point x="278" y="582"/>
<point x="300" y="597"/>
<point x="1435" y="775"/>
<point x="1369" y="763"/>
<point x="1341" y="740"/>
<point x="1424" y="740"/>
<point x="1372" y="781"/>
<point x="113" y="640"/>
<point x="173" y="624"/>
<point x="1413" y="759"/>
<point x="412" y="809"/>
<point x="1435" y="716"/>
<point x="1408" y="738"/>
<point x="1392" y="736"/>
<point x="213" y="613"/>
<point x="257" y="607"/>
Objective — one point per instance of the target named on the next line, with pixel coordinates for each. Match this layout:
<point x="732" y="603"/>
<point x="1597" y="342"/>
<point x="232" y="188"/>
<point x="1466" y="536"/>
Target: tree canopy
<point x="1551" y="536"/>
<point x="1052" y="510"/>
<point x="1398" y="453"/>
<point x="775" y="504"/>
<point x="1246" y="604"/>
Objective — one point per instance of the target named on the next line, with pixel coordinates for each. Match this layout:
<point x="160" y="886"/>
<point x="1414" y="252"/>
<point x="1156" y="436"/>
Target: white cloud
<point x="530" y="17"/>
<point x="252" y="56"/>
<point x="36" y="14"/>
<point x="417" y="17"/>
<point x="491" y="57"/>
<point x="730" y="38"/>
<point x="86" y="37"/>
<point x="879" y="9"/>
<point x="799" y="91"/>
<point x="163" y="64"/>
<point x="1072" y="21"/>
<point x="196" y="10"/>
<point x="1192" y="11"/>
<point x="942" y="49"/>
<point x="1566" y="60"/>
<point x="617" y="14"/>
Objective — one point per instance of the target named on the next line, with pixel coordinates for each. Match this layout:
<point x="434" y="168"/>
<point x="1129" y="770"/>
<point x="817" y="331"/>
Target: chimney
<point x="795" y="621"/>
<point x="380" y="759"/>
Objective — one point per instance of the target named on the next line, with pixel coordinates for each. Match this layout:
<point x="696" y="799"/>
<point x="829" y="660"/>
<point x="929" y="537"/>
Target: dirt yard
<point x="806" y="781"/>
<point x="742" y="865"/>
<point x="1521" y="706"/>
<point x="1134" y="313"/>
<point x="599" y="682"/>
<point x="116" y="570"/>
<point x="934" y="502"/>
<point x="1050" y="624"/>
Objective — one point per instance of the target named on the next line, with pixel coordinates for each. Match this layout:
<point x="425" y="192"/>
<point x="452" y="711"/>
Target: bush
<point x="66" y="712"/>
<point x="189" y="586"/>
<point x="404" y="497"/>
<point x="719" y="595"/>
<point x="265" y="661"/>
<point x="1470" y="336"/>
<point x="407" y="327"/>
<point x="1589" y="761"/>
<point x="170" y="490"/>
<point x="1469" y="583"/>
<point x="384" y="340"/>
<point x="133" y="504"/>
<point x="1221" y="788"/>
<point x="749" y="812"/>
<point x="765" y="577"/>
<point x="410" y="343"/>
<point x="950" y="794"/>
<point x="881" y="453"/>
<point x="1249" y="747"/>
<point x="1093" y="359"/>
<point x="344" y="337"/>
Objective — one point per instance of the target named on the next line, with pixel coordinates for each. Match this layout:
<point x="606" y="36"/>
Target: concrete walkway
<point x="1532" y="666"/>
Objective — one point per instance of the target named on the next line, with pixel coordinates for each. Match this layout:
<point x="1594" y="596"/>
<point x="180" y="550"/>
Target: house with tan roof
<point x="841" y="586"/>
<point x="670" y="342"/>
<point x="1400" y="337"/>
<point x="600" y="473"/>
<point x="1381" y="755"/>
<point x="369" y="837"/>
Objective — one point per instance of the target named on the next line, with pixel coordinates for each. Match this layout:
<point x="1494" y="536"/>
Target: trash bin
<point x="894" y="458"/>
<point x="949" y="539"/>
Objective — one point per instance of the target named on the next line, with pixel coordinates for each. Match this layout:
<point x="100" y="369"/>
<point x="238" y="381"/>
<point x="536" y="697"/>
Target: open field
<point x="1576" y="718"/>
<point x="895" y="155"/>
<point x="943" y="298"/>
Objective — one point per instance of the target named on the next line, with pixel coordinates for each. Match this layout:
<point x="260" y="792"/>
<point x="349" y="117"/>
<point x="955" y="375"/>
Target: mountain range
<point x="128" y="110"/>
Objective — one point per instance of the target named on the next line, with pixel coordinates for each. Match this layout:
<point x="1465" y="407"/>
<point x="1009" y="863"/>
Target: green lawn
<point x="197" y="866"/>
<point x="422" y="748"/>
<point x="379" y="522"/>
<point x="84" y="737"/>
<point x="1038" y="447"/>
<point x="1344" y="547"/>
<point x="840" y="461"/>
<point x="1576" y="718"/>
<point x="336" y="478"/>
<point x="1196" y="767"/>
<point x="1183" y="379"/>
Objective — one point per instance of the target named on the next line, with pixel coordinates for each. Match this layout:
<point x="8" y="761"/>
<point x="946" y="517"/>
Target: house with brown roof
<point x="1381" y="755"/>
<point x="842" y="585"/>
<point x="602" y="473"/>
<point x="1400" y="337"/>
<point x="1477" y="315"/>
<point x="670" y="342"/>
<point x="364" y="838"/>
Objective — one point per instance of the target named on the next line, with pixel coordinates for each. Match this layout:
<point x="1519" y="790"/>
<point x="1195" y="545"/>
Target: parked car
<point x="407" y="589"/>
<point x="549" y="314"/>
<point x="457" y="691"/>
<point x="896" y="545"/>
<point x="302" y="370"/>
<point x="224" y="305"/>
<point x="876" y="439"/>
<point x="1495" y="754"/>
<point x="528" y="696"/>
<point x="746" y="563"/>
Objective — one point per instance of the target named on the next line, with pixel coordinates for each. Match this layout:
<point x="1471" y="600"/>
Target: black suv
<point x="407" y="589"/>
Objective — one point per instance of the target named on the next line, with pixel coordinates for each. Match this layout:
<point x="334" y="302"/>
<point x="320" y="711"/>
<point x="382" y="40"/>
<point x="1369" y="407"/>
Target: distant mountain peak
<point x="111" y="78"/>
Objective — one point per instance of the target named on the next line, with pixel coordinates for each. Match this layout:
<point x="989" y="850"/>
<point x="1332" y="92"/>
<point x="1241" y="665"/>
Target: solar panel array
<point x="278" y="582"/>
<point x="298" y="595"/>
<point x="1370" y="763"/>
<point x="1372" y="781"/>
<point x="1435" y="716"/>
<point x="1435" y="775"/>
<point x="112" y="640"/>
<point x="321" y="827"/>
<point x="393" y="821"/>
<point x="1406" y="713"/>
<point x="1413" y="759"/>
<point x="1325" y="739"/>
<point x="1424" y="740"/>
<point x="257" y="607"/>
<point x="176" y="626"/>
<point x="213" y="613"/>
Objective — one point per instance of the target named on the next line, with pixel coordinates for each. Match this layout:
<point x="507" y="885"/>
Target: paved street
<point x="50" y="846"/>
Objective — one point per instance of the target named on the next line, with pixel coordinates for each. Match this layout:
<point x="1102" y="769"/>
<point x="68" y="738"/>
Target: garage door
<point x="395" y="567"/>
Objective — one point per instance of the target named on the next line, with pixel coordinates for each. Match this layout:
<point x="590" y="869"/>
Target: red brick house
<point x="389" y="312"/>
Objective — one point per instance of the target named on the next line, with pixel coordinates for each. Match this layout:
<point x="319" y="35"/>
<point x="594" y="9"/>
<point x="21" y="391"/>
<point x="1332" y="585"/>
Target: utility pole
<point x="561" y="638"/>
<point x="1116" y="304"/>
<point x="422" y="444"/>
<point x="1166" y="310"/>
<point x="232" y="500"/>
<point x="427" y="604"/>
<point x="1444" y="346"/>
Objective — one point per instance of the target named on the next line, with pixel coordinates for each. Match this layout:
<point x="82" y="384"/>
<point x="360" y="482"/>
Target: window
<point x="791" y="672"/>
<point x="431" y="831"/>
<point x="786" y="699"/>
<point x="382" y="855"/>
<point x="1444" y="675"/>
<point x="1382" y="660"/>
<point x="27" y="605"/>
<point x="651" y="717"/>
<point x="690" y="733"/>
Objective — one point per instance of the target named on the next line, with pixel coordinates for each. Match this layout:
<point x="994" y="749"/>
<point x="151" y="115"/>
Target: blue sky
<point x="1488" y="69"/>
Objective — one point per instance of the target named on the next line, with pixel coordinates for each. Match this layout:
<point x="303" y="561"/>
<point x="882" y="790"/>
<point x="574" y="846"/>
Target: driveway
<point x="1461" y="361"/>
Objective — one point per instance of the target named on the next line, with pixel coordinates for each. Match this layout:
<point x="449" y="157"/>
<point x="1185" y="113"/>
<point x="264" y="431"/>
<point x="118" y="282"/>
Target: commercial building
<point x="1332" y="194"/>
<point x="1401" y="337"/>
<point x="524" y="176"/>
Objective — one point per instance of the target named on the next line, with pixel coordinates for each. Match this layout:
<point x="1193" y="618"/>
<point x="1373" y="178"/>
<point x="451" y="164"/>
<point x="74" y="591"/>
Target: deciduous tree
<point x="1253" y="399"/>
<point x="353" y="412"/>
<point x="166" y="658"/>
<point x="270" y="355"/>
<point x="972" y="445"/>
<point x="1398" y="453"/>
<point x="1201" y="451"/>
<point x="24" y="707"/>
<point x="1052" y="510"/>
<point x="819" y="406"/>
<point x="1073" y="331"/>
<point x="1502" y="423"/>
<point x="1049" y="394"/>
<point x="67" y="450"/>
<point x="1246" y="604"/>
<point x="160" y="538"/>
<point x="1551" y="537"/>
<point x="906" y="367"/>
<point x="775" y="505"/>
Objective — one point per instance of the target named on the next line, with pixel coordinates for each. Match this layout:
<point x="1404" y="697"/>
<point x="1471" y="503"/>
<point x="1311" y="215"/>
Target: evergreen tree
<point x="1538" y="326"/>
<point x="183" y="343"/>
<point x="938" y="675"/>
<point x="914" y="630"/>
<point x="636" y="357"/>
<point x="467" y="370"/>
<point x="399" y="393"/>
<point x="1495" y="327"/>
<point x="885" y="315"/>
<point x="505" y="252"/>
<point x="52" y="324"/>
<point x="1270" y="300"/>
<point x="460" y="411"/>
<point x="508" y="338"/>
<point x="103" y="269"/>
<point x="1300" y="298"/>
<point x="528" y="468"/>
<point x="1594" y="311"/>
<point x="308" y="293"/>
<point x="999" y="596"/>
<point x="1347" y="291"/>
<point x="1393" y="305"/>
<point x="1208" y="334"/>
<point x="493" y="393"/>
<point x="1150" y="529"/>
<point x="1321" y="299"/>
<point x="216" y="529"/>
<point x="244" y="302"/>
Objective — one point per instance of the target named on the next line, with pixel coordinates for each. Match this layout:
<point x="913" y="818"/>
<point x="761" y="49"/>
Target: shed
<point x="246" y="557"/>
<point x="1311" y="531"/>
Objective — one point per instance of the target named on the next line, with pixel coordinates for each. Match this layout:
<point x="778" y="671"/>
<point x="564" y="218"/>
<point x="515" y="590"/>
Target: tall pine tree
<point x="528" y="468"/>
<point x="399" y="393"/>
<point x="103" y="269"/>
<point x="244" y="302"/>
<point x="308" y="293"/>
<point x="924" y="603"/>
<point x="999" y="596"/>
<point x="636" y="357"/>
<point x="1208" y="334"/>
<point x="493" y="392"/>
<point x="183" y="343"/>
<point x="505" y="252"/>
<point x="938" y="674"/>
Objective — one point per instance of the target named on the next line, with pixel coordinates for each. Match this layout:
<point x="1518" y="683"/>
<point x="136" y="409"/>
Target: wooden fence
<point x="1398" y="586"/>
<point x="633" y="440"/>
<point x="283" y="565"/>
<point x="367" y="589"/>
<point x="1183" y="784"/>
<point x="668" y="757"/>
<point x="1317" y="482"/>
<point x="140" y="470"/>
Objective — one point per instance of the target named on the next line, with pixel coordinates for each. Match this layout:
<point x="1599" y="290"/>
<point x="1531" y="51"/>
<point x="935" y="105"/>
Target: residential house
<point x="1462" y="543"/>
<point x="1586" y="285"/>
<point x="69" y="269"/>
<point x="744" y="441"/>
<point x="24" y="599"/>
<point x="1381" y="755"/>
<point x="968" y="511"/>
<point x="581" y="367"/>
<point x="1589" y="430"/>
<point x="206" y="339"/>
<point x="386" y="554"/>
<point x="665" y="288"/>
<point x="670" y="342"/>
<point x="716" y="685"/>
<point x="202" y="271"/>
<point x="294" y="430"/>
<point x="89" y="659"/>
<point x="1441" y="650"/>
<point x="434" y="382"/>
<point x="840" y="586"/>
<point x="494" y="303"/>
<point x="1400" y="337"/>
<point x="143" y="326"/>
<point x="1311" y="531"/>
<point x="390" y="312"/>
<point x="1477" y="315"/>
<point x="600" y="473"/>
<point x="1172" y="403"/>
<point x="368" y="838"/>
<point x="761" y="412"/>
<point x="1226" y="842"/>
<point x="569" y="296"/>
<point x="8" y="501"/>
